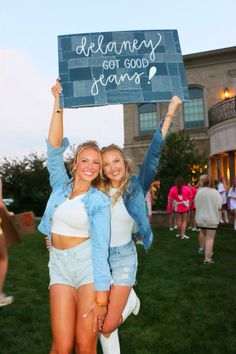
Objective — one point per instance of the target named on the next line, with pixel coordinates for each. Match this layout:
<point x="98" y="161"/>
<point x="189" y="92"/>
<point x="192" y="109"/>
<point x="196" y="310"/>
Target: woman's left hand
<point x="99" y="315"/>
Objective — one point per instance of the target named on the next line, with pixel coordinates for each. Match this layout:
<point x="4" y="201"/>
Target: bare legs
<point x="210" y="237"/>
<point x="202" y="240"/>
<point x="224" y="215"/>
<point x="181" y="219"/>
<point x="192" y="221"/>
<point x="206" y="241"/>
<point x="69" y="328"/>
<point x="172" y="221"/>
<point x="117" y="301"/>
<point x="3" y="261"/>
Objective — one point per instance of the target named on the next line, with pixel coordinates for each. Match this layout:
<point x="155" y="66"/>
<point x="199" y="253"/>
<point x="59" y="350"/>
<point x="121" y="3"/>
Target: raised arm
<point x="56" y="145"/>
<point x="55" y="134"/>
<point x="151" y="159"/>
<point x="174" y="104"/>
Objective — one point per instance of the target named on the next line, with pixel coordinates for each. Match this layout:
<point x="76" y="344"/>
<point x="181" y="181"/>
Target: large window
<point x="147" y="117"/>
<point x="194" y="109"/>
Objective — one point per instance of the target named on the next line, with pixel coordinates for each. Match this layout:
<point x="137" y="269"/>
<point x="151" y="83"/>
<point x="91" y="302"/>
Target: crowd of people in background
<point x="201" y="208"/>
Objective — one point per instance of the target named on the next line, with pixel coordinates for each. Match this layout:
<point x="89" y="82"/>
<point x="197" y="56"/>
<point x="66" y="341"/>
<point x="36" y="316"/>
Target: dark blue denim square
<point x="80" y="74"/>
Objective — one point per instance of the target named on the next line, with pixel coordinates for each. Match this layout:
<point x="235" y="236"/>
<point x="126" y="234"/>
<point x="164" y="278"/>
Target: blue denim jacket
<point x="134" y="195"/>
<point x="97" y="206"/>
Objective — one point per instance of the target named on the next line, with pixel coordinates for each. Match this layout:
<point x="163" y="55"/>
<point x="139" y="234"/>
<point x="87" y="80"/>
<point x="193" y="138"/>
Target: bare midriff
<point x="63" y="242"/>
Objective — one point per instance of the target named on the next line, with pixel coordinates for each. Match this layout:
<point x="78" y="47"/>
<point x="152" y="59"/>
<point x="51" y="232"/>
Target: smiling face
<point x="88" y="165"/>
<point x="113" y="167"/>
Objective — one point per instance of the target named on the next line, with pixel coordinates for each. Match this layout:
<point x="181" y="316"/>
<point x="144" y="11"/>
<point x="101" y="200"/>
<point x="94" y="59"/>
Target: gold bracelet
<point x="100" y="304"/>
<point x="170" y="115"/>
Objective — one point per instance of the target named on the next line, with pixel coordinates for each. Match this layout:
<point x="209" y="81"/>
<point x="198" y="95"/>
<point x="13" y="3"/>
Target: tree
<point x="26" y="181"/>
<point x="179" y="157"/>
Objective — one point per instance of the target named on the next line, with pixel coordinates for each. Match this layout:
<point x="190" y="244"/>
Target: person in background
<point x="77" y="224"/>
<point x="151" y="197"/>
<point x="192" y="209"/>
<point x="208" y="204"/>
<point x="223" y="189"/>
<point x="180" y="196"/>
<point x="171" y="213"/>
<point x="232" y="200"/>
<point x="4" y="300"/>
<point x="128" y="192"/>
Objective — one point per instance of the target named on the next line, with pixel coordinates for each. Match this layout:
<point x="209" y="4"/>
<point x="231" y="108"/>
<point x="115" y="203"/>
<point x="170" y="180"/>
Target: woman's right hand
<point x="48" y="243"/>
<point x="56" y="88"/>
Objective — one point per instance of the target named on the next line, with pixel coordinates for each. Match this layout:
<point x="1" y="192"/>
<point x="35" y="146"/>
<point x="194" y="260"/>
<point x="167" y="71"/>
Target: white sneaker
<point x="132" y="305"/>
<point x="171" y="228"/>
<point x="177" y="235"/>
<point x="184" y="237"/>
<point x="175" y="227"/>
<point x="5" y="300"/>
<point x="195" y="229"/>
<point x="110" y="345"/>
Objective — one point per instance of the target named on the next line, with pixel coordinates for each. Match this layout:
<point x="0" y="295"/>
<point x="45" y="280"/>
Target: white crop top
<point x="121" y="222"/>
<point x="71" y="219"/>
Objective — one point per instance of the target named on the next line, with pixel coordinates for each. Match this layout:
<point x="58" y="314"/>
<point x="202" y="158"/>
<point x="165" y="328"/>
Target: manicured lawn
<point x="186" y="306"/>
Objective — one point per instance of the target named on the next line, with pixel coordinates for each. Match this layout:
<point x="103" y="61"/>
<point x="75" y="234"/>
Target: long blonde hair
<point x="90" y="144"/>
<point x="125" y="179"/>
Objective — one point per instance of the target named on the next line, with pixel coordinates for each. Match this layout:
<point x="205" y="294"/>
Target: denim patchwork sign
<point x="120" y="67"/>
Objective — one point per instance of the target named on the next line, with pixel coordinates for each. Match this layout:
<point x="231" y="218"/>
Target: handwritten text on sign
<point x="120" y="67"/>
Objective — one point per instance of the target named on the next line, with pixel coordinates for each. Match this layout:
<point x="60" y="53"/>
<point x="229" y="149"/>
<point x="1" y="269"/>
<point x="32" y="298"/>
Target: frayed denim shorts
<point x="123" y="264"/>
<point x="72" y="266"/>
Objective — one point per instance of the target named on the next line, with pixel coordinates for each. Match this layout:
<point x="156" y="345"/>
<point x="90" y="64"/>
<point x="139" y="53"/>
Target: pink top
<point x="181" y="202"/>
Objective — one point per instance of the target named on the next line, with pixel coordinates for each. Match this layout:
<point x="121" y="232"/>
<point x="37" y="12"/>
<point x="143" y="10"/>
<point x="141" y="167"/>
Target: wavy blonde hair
<point x="90" y="144"/>
<point x="106" y="183"/>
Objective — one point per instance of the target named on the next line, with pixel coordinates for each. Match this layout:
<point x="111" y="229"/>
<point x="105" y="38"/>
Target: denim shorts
<point x="123" y="264"/>
<point x="72" y="266"/>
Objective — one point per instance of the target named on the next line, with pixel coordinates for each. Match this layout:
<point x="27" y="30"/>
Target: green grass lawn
<point x="186" y="306"/>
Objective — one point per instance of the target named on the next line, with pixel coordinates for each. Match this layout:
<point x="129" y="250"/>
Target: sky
<point x="29" y="64"/>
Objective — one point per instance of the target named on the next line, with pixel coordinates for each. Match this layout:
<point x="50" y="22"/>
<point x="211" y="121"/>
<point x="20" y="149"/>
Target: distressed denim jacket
<point x="134" y="195"/>
<point x="97" y="206"/>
